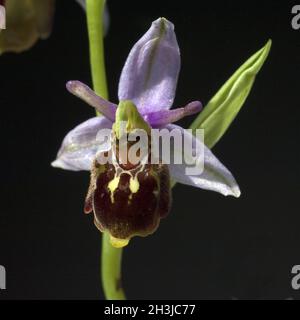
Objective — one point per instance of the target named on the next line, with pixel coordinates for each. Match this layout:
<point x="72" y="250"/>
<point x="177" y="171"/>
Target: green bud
<point x="221" y="110"/>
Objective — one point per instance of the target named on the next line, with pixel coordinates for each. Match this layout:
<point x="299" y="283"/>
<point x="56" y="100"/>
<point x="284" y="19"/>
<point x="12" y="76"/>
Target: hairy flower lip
<point x="127" y="204"/>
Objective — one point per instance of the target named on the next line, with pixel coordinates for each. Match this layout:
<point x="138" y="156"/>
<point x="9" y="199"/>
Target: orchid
<point x="133" y="202"/>
<point x="30" y="20"/>
<point x="26" y="22"/>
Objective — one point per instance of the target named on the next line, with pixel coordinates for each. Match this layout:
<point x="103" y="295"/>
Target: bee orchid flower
<point x="130" y="200"/>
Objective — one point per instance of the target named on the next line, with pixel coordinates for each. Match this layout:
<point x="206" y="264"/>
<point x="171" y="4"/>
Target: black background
<point x="209" y="246"/>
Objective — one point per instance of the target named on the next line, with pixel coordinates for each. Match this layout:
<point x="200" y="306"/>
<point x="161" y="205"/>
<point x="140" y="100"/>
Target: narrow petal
<point x="80" y="145"/>
<point x="164" y="117"/>
<point x="150" y="74"/>
<point x="215" y="176"/>
<point x="85" y="93"/>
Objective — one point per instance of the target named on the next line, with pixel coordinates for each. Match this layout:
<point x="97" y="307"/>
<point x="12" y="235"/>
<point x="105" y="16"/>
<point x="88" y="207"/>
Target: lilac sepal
<point x="150" y="74"/>
<point x="215" y="176"/>
<point x="80" y="145"/>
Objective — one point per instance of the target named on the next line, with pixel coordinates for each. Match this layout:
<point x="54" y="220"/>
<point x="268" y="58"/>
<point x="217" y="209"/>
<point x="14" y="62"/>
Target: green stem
<point x="94" y="11"/>
<point x="111" y="270"/>
<point x="111" y="257"/>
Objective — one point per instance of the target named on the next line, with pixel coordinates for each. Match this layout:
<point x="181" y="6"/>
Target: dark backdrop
<point x="210" y="246"/>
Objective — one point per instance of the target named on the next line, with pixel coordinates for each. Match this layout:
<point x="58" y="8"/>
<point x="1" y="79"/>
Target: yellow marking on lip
<point x="134" y="185"/>
<point x="118" y="243"/>
<point x="112" y="186"/>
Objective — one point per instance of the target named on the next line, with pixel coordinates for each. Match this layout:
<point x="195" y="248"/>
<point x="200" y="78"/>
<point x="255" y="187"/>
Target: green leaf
<point x="221" y="110"/>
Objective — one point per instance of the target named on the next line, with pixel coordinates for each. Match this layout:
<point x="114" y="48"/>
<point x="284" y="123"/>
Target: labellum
<point x="128" y="199"/>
